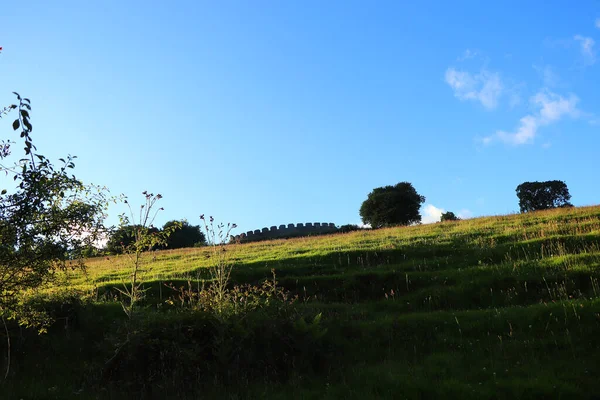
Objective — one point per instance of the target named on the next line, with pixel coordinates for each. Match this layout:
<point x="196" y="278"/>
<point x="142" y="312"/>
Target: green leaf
<point x="3" y="191"/>
<point x="16" y="124"/>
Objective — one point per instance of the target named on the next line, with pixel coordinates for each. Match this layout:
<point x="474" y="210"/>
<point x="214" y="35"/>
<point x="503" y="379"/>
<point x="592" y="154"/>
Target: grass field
<point x="499" y="307"/>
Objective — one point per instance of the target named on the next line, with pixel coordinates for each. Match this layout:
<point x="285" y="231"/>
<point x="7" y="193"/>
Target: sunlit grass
<point x="495" y="307"/>
<point x="566" y="238"/>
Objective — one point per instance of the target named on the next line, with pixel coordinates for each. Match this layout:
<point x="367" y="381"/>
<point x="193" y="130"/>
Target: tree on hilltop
<point x="392" y="205"/>
<point x="184" y="235"/>
<point x="124" y="236"/>
<point x="534" y="196"/>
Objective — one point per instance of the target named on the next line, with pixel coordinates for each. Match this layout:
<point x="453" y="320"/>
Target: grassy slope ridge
<point x="496" y="307"/>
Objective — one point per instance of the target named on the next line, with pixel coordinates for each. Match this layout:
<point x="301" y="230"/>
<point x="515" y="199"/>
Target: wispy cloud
<point x="598" y="23"/>
<point x="551" y="108"/>
<point x="431" y="214"/>
<point x="485" y="87"/>
<point x="468" y="54"/>
<point x="586" y="46"/>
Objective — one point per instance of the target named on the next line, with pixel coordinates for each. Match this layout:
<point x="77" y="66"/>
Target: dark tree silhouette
<point x="449" y="216"/>
<point x="185" y="236"/>
<point x="123" y="238"/>
<point x="535" y="196"/>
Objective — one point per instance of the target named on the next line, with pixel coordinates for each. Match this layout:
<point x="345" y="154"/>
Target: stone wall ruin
<point x="286" y="231"/>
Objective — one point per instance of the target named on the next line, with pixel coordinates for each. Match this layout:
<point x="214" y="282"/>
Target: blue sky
<point x="268" y="113"/>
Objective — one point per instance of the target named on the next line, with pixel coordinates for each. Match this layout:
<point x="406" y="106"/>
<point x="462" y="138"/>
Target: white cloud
<point x="485" y="87"/>
<point x="525" y="133"/>
<point x="587" y="49"/>
<point x="431" y="214"/>
<point x="598" y="23"/>
<point x="551" y="108"/>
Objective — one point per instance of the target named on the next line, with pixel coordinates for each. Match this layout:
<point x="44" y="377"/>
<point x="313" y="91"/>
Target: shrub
<point x="449" y="216"/>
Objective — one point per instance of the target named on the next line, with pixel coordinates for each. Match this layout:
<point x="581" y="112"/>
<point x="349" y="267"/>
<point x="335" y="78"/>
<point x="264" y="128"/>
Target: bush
<point x="449" y="216"/>
<point x="349" y="228"/>
<point x="192" y="348"/>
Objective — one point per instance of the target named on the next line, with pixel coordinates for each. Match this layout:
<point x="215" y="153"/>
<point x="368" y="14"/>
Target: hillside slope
<point x="496" y="307"/>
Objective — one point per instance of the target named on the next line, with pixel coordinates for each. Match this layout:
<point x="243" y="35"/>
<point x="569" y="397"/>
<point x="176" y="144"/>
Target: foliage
<point x="349" y="228"/>
<point x="184" y="235"/>
<point x="392" y="205"/>
<point x="46" y="218"/>
<point x="90" y="251"/>
<point x="449" y="216"/>
<point x="145" y="238"/>
<point x="181" y="235"/>
<point x="124" y="236"/>
<point x="219" y="256"/>
<point x="239" y="300"/>
<point x="271" y="344"/>
<point x="534" y="196"/>
<point x="490" y="307"/>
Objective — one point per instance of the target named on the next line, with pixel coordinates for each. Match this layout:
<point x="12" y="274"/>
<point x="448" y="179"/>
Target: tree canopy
<point x="535" y="196"/>
<point x="392" y="205"/>
<point x="181" y="234"/>
<point x="46" y="218"/>
<point x="184" y="235"/>
<point x="124" y="236"/>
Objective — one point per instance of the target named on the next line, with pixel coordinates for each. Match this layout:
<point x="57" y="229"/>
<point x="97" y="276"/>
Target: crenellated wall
<point x="286" y="231"/>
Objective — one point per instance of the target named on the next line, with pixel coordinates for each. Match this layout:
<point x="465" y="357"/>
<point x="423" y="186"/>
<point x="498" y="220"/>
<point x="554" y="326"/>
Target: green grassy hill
<point x="497" y="307"/>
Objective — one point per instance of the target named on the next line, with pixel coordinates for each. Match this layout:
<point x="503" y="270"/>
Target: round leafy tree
<point x="535" y="196"/>
<point x="184" y="235"/>
<point x="124" y="236"/>
<point x="392" y="205"/>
